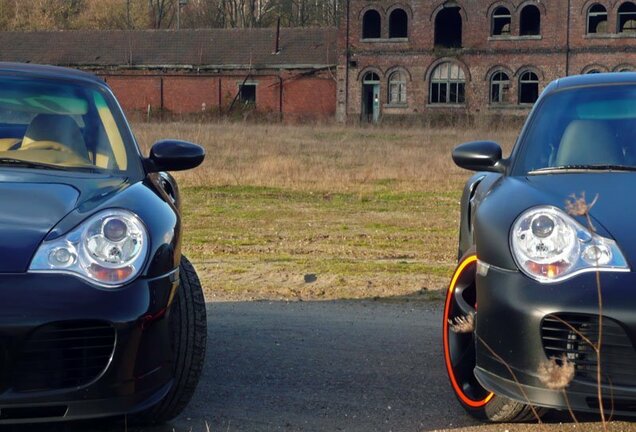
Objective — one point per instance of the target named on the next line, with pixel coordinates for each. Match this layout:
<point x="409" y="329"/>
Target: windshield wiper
<point x="582" y="167"/>
<point x="40" y="165"/>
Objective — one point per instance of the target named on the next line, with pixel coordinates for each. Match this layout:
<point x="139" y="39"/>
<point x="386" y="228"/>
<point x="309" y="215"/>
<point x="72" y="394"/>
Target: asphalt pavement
<point x="323" y="366"/>
<point x="317" y="366"/>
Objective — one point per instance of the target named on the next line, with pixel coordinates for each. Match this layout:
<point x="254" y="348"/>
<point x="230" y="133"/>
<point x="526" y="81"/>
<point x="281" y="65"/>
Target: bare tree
<point x="162" y="13"/>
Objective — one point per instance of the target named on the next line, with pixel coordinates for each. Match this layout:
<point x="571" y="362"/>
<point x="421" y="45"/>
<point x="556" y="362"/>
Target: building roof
<point x="202" y="49"/>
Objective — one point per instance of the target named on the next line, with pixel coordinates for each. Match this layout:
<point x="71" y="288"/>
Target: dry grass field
<point x="321" y="212"/>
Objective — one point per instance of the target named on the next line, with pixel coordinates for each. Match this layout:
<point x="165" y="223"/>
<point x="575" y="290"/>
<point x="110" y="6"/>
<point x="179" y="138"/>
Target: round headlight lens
<point x="542" y="225"/>
<point x="114" y="242"/>
<point x="545" y="243"/>
<point x="113" y="245"/>
<point x="115" y="229"/>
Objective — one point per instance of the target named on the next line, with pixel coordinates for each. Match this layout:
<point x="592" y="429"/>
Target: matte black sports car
<point x="101" y="314"/>
<point x="526" y="290"/>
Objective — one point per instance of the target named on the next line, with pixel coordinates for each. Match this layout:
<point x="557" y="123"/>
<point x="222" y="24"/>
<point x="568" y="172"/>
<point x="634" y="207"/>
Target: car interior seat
<point x="46" y="130"/>
<point x="589" y="142"/>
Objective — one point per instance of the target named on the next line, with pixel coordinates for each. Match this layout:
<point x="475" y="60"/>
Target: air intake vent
<point x="63" y="355"/>
<point x="618" y="361"/>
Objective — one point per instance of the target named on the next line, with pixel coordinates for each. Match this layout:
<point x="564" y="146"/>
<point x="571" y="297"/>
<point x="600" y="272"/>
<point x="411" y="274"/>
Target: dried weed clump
<point x="462" y="324"/>
<point x="556" y="374"/>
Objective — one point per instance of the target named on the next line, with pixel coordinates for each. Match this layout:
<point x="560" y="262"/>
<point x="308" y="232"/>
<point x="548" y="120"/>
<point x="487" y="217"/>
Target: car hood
<point x="34" y="202"/>
<point x="614" y="213"/>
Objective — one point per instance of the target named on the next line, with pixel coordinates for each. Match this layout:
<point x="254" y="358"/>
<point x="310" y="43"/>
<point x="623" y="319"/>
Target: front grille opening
<point x="618" y="357"/>
<point x="33" y="412"/>
<point x="63" y="355"/>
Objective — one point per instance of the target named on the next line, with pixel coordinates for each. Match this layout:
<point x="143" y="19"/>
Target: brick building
<point x="290" y="73"/>
<point x="410" y="57"/>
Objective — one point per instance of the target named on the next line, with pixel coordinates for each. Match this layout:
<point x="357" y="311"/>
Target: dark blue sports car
<point x="101" y="314"/>
<point x="540" y="311"/>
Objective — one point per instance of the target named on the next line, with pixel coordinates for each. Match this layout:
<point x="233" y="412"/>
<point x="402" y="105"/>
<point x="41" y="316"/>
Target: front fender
<point x="475" y="189"/>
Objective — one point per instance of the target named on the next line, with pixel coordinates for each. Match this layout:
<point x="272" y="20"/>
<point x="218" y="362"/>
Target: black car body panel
<point x="70" y="348"/>
<point x="516" y="313"/>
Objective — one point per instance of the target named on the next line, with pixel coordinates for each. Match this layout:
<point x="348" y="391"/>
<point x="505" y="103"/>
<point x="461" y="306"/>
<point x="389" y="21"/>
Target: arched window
<point x="625" y="69"/>
<point x="597" y="19"/>
<point x="499" y="86"/>
<point x="528" y="88"/>
<point x="501" y="21"/>
<point x="530" y="21"/>
<point x="397" y="88"/>
<point x="592" y="71"/>
<point x="371" y="78"/>
<point x="627" y="18"/>
<point x="448" y="84"/>
<point x="371" y="25"/>
<point x="398" y="24"/>
<point x="448" y="28"/>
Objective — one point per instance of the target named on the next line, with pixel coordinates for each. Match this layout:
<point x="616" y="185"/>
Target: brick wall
<point x="304" y="94"/>
<point x="556" y="51"/>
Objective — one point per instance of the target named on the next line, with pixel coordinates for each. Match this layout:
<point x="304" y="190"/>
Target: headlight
<point x="549" y="246"/>
<point x="108" y="249"/>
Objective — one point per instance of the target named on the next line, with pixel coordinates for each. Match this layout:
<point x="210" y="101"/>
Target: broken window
<point x="627" y="18"/>
<point x="448" y="84"/>
<point x="501" y="22"/>
<point x="499" y="86"/>
<point x="530" y="21"/>
<point x="397" y="88"/>
<point x="597" y="19"/>
<point x="528" y="88"/>
<point x="247" y="93"/>
<point x="448" y="28"/>
<point x="398" y="24"/>
<point x="371" y="25"/>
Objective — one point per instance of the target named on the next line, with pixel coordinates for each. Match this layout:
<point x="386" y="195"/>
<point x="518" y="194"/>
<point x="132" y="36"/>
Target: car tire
<point x="189" y="336"/>
<point x="460" y="355"/>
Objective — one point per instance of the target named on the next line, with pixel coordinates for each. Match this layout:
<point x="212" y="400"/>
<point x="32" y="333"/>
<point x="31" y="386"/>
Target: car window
<point x="61" y="124"/>
<point x="580" y="127"/>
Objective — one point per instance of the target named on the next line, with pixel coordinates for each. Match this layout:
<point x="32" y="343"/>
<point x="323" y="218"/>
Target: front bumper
<point x="71" y="351"/>
<point x="515" y="321"/>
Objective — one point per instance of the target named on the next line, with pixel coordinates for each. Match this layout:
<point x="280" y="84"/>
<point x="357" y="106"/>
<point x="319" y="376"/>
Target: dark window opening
<point x="528" y="88"/>
<point x="530" y="21"/>
<point x="448" y="28"/>
<point x="398" y="24"/>
<point x="501" y="19"/>
<point x="499" y="87"/>
<point x="627" y="18"/>
<point x="597" y="19"/>
<point x="593" y="71"/>
<point x="247" y="93"/>
<point x="625" y="69"/>
<point x="397" y="88"/>
<point x="371" y="25"/>
<point x="448" y="85"/>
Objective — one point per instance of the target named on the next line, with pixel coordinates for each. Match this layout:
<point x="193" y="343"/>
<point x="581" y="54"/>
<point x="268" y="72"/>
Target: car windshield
<point x="588" y="128"/>
<point x="58" y="125"/>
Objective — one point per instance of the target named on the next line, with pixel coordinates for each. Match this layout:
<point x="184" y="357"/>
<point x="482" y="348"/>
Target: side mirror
<point x="479" y="156"/>
<point x="174" y="155"/>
